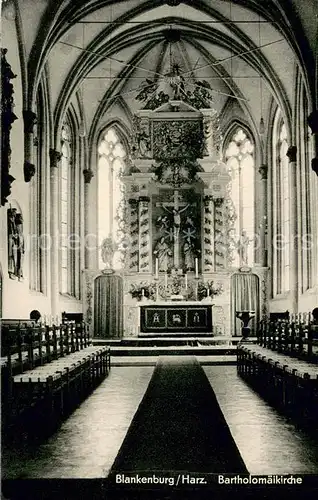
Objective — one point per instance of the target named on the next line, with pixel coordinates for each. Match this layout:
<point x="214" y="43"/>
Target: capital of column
<point x="29" y="119"/>
<point x="292" y="154"/>
<point x="314" y="165"/>
<point x="88" y="175"/>
<point x="263" y="170"/>
<point x="55" y="158"/>
<point x="313" y="121"/>
<point x="28" y="170"/>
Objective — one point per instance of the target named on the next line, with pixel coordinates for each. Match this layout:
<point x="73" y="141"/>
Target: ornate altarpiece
<point x="180" y="214"/>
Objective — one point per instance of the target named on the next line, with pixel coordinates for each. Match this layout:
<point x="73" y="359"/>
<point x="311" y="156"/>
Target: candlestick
<point x="157" y="292"/>
<point x="196" y="267"/>
<point x="186" y="281"/>
<point x="157" y="268"/>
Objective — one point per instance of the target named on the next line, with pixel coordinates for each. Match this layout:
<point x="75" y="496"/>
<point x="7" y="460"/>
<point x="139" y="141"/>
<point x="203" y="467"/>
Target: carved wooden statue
<point x="16" y="246"/>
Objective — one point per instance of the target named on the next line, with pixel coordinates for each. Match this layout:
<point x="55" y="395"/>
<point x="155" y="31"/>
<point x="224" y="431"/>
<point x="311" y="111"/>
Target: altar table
<point x="186" y="317"/>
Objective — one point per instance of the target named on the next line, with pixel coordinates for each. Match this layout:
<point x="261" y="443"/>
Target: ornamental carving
<point x="28" y="170"/>
<point x="88" y="175"/>
<point x="141" y="147"/>
<point x="15" y="244"/>
<point x="178" y="139"/>
<point x="55" y="158"/>
<point x="7" y="118"/>
<point x="263" y="169"/>
<point x="292" y="154"/>
<point x="313" y="121"/>
<point x="29" y="119"/>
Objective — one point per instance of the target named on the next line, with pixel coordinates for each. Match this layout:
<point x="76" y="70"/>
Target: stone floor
<point x="88" y="442"/>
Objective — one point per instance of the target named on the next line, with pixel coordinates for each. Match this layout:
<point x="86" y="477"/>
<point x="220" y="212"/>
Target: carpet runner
<point x="179" y="425"/>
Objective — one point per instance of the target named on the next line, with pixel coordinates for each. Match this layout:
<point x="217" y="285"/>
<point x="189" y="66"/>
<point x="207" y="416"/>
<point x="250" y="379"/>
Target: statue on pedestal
<point x="15" y="244"/>
<point x="164" y="254"/>
<point x="12" y="243"/>
<point x="188" y="251"/>
<point x="108" y="248"/>
<point x="20" y="245"/>
<point x="242" y="248"/>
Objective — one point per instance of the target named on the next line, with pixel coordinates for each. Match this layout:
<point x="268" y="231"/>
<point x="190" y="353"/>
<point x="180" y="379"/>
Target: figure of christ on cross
<point x="177" y="208"/>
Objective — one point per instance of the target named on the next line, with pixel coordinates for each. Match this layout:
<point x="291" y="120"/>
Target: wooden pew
<point x="296" y="336"/>
<point x="47" y="370"/>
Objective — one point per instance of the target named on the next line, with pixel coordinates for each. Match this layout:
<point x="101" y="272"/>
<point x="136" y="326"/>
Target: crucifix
<point x="177" y="208"/>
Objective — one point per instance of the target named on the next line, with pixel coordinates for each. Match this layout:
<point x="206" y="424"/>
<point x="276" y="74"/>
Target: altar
<point x="176" y="234"/>
<point x="172" y="317"/>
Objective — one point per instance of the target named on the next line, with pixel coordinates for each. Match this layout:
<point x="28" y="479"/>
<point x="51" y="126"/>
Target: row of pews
<point x="46" y="372"/>
<point x="282" y="366"/>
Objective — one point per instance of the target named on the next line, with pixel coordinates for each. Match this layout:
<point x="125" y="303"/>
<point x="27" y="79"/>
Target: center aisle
<point x="179" y="425"/>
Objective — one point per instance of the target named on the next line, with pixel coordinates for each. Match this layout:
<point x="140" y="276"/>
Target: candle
<point x="166" y="281"/>
<point x="196" y="268"/>
<point x="186" y="281"/>
<point x="143" y="292"/>
<point x="208" y="292"/>
<point x="157" y="268"/>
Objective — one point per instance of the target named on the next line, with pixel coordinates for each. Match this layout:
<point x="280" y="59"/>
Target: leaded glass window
<point x="239" y="157"/>
<point x="111" y="209"/>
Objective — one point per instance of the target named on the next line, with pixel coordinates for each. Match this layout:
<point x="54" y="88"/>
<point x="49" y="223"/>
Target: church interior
<point x="159" y="229"/>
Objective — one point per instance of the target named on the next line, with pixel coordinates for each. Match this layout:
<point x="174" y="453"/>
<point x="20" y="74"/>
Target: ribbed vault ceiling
<point x="246" y="50"/>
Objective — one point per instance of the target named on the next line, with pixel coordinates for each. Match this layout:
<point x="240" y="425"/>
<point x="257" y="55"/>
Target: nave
<point x="88" y="442"/>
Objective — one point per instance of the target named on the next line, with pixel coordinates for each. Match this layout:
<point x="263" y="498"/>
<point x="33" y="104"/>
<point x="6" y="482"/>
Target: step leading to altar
<point x="145" y="351"/>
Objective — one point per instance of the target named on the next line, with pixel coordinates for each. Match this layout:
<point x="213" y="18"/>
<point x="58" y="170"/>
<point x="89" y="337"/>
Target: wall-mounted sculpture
<point x="16" y="247"/>
<point x="7" y="118"/>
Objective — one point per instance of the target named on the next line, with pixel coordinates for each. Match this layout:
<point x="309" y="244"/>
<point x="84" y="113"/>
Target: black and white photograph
<point x="159" y="248"/>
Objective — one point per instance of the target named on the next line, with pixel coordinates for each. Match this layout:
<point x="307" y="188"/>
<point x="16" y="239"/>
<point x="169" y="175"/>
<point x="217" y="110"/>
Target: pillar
<point x="55" y="157"/>
<point x="88" y="175"/>
<point x="144" y="235"/>
<point x="29" y="119"/>
<point x="208" y="235"/>
<point x="220" y="237"/>
<point x="133" y="232"/>
<point x="292" y="156"/>
<point x="262" y="254"/>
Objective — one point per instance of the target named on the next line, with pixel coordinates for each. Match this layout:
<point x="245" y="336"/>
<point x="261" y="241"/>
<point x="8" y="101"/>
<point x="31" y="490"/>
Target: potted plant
<point x="143" y="289"/>
<point x="209" y="289"/>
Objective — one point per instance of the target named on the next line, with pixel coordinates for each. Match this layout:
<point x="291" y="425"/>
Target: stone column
<point x="219" y="238"/>
<point x="29" y="119"/>
<point x="134" y="232"/>
<point x="88" y="175"/>
<point x="263" y="240"/>
<point x="292" y="156"/>
<point x="144" y="235"/>
<point x="208" y="235"/>
<point x="55" y="158"/>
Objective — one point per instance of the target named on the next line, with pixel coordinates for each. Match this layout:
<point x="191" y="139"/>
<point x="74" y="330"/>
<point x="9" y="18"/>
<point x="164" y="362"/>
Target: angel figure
<point x="108" y="248"/>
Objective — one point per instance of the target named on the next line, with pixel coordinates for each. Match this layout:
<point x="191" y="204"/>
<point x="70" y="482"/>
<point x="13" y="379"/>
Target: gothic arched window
<point x="69" y="214"/>
<point x="281" y="208"/>
<point x="111" y="210"/>
<point x="240" y="160"/>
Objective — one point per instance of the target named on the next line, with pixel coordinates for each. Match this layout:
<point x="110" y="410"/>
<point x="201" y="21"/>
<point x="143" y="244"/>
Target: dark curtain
<point x="244" y="297"/>
<point x="108" y="307"/>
